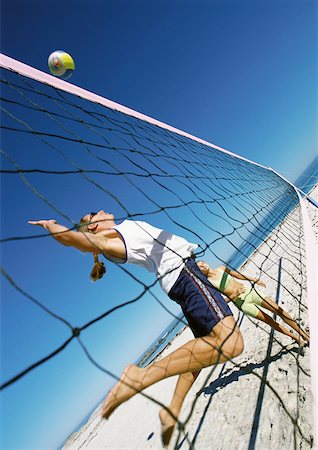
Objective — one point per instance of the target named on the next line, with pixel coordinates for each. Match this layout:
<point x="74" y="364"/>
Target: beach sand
<point x="261" y="400"/>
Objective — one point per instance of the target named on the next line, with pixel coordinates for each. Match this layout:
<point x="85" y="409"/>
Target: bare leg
<point x="272" y="306"/>
<point x="168" y="416"/>
<point x="270" y="321"/>
<point x="223" y="343"/>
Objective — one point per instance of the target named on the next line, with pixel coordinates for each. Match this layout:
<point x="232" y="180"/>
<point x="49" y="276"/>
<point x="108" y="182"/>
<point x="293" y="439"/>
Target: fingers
<point x="41" y="223"/>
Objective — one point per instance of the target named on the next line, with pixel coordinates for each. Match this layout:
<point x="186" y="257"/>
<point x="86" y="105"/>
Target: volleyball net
<point x="63" y="147"/>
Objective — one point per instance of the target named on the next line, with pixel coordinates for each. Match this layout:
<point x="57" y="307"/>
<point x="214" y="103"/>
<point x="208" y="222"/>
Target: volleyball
<point x="61" y="64"/>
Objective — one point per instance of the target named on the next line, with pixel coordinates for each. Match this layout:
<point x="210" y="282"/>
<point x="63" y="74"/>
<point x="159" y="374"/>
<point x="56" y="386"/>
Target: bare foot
<point x="301" y="343"/>
<point x="127" y="387"/>
<point x="167" y="426"/>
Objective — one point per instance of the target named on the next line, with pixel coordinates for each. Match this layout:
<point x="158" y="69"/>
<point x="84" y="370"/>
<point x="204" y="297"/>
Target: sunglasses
<point x="91" y="215"/>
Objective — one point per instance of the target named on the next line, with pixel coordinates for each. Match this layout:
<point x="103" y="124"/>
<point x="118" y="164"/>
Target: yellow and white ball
<point x="61" y="64"/>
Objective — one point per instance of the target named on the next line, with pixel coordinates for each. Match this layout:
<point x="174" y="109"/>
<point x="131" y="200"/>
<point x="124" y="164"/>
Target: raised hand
<point x="41" y="223"/>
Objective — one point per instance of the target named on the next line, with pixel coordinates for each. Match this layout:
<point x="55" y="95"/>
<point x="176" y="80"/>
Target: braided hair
<point x="99" y="268"/>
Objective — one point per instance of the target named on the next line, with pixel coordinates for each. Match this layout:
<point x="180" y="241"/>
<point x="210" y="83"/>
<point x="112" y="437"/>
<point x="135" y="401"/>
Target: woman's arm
<point x="240" y="276"/>
<point x="86" y="242"/>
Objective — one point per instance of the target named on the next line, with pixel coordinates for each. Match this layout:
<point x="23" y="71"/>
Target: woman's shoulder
<point x="215" y="273"/>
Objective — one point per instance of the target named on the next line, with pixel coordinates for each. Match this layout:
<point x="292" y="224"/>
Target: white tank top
<point x="156" y="250"/>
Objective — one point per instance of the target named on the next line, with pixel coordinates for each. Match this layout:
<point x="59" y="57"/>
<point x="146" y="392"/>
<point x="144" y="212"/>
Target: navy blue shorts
<point x="202" y="305"/>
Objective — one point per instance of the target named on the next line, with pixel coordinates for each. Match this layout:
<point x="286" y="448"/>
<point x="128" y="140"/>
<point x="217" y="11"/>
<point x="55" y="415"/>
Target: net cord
<point x="306" y="196"/>
<point x="30" y="72"/>
<point x="311" y="250"/>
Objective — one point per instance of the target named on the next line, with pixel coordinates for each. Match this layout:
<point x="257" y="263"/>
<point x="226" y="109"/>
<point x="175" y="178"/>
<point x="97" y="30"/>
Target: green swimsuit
<point x="222" y="281"/>
<point x="247" y="301"/>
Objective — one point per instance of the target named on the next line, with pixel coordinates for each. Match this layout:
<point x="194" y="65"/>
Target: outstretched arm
<point x="86" y="242"/>
<point x="240" y="276"/>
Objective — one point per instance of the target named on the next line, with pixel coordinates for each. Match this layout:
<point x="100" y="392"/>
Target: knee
<point x="234" y="345"/>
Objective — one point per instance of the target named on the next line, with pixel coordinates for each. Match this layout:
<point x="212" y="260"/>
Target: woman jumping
<point x="217" y="336"/>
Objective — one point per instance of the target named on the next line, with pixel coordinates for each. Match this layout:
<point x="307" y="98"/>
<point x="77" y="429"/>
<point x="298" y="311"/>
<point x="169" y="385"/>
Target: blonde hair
<point x="99" y="268"/>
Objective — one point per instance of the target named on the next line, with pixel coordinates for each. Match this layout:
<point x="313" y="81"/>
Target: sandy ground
<point x="262" y="400"/>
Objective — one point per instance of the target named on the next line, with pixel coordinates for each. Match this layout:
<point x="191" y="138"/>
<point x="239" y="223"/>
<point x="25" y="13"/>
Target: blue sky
<point x="239" y="74"/>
